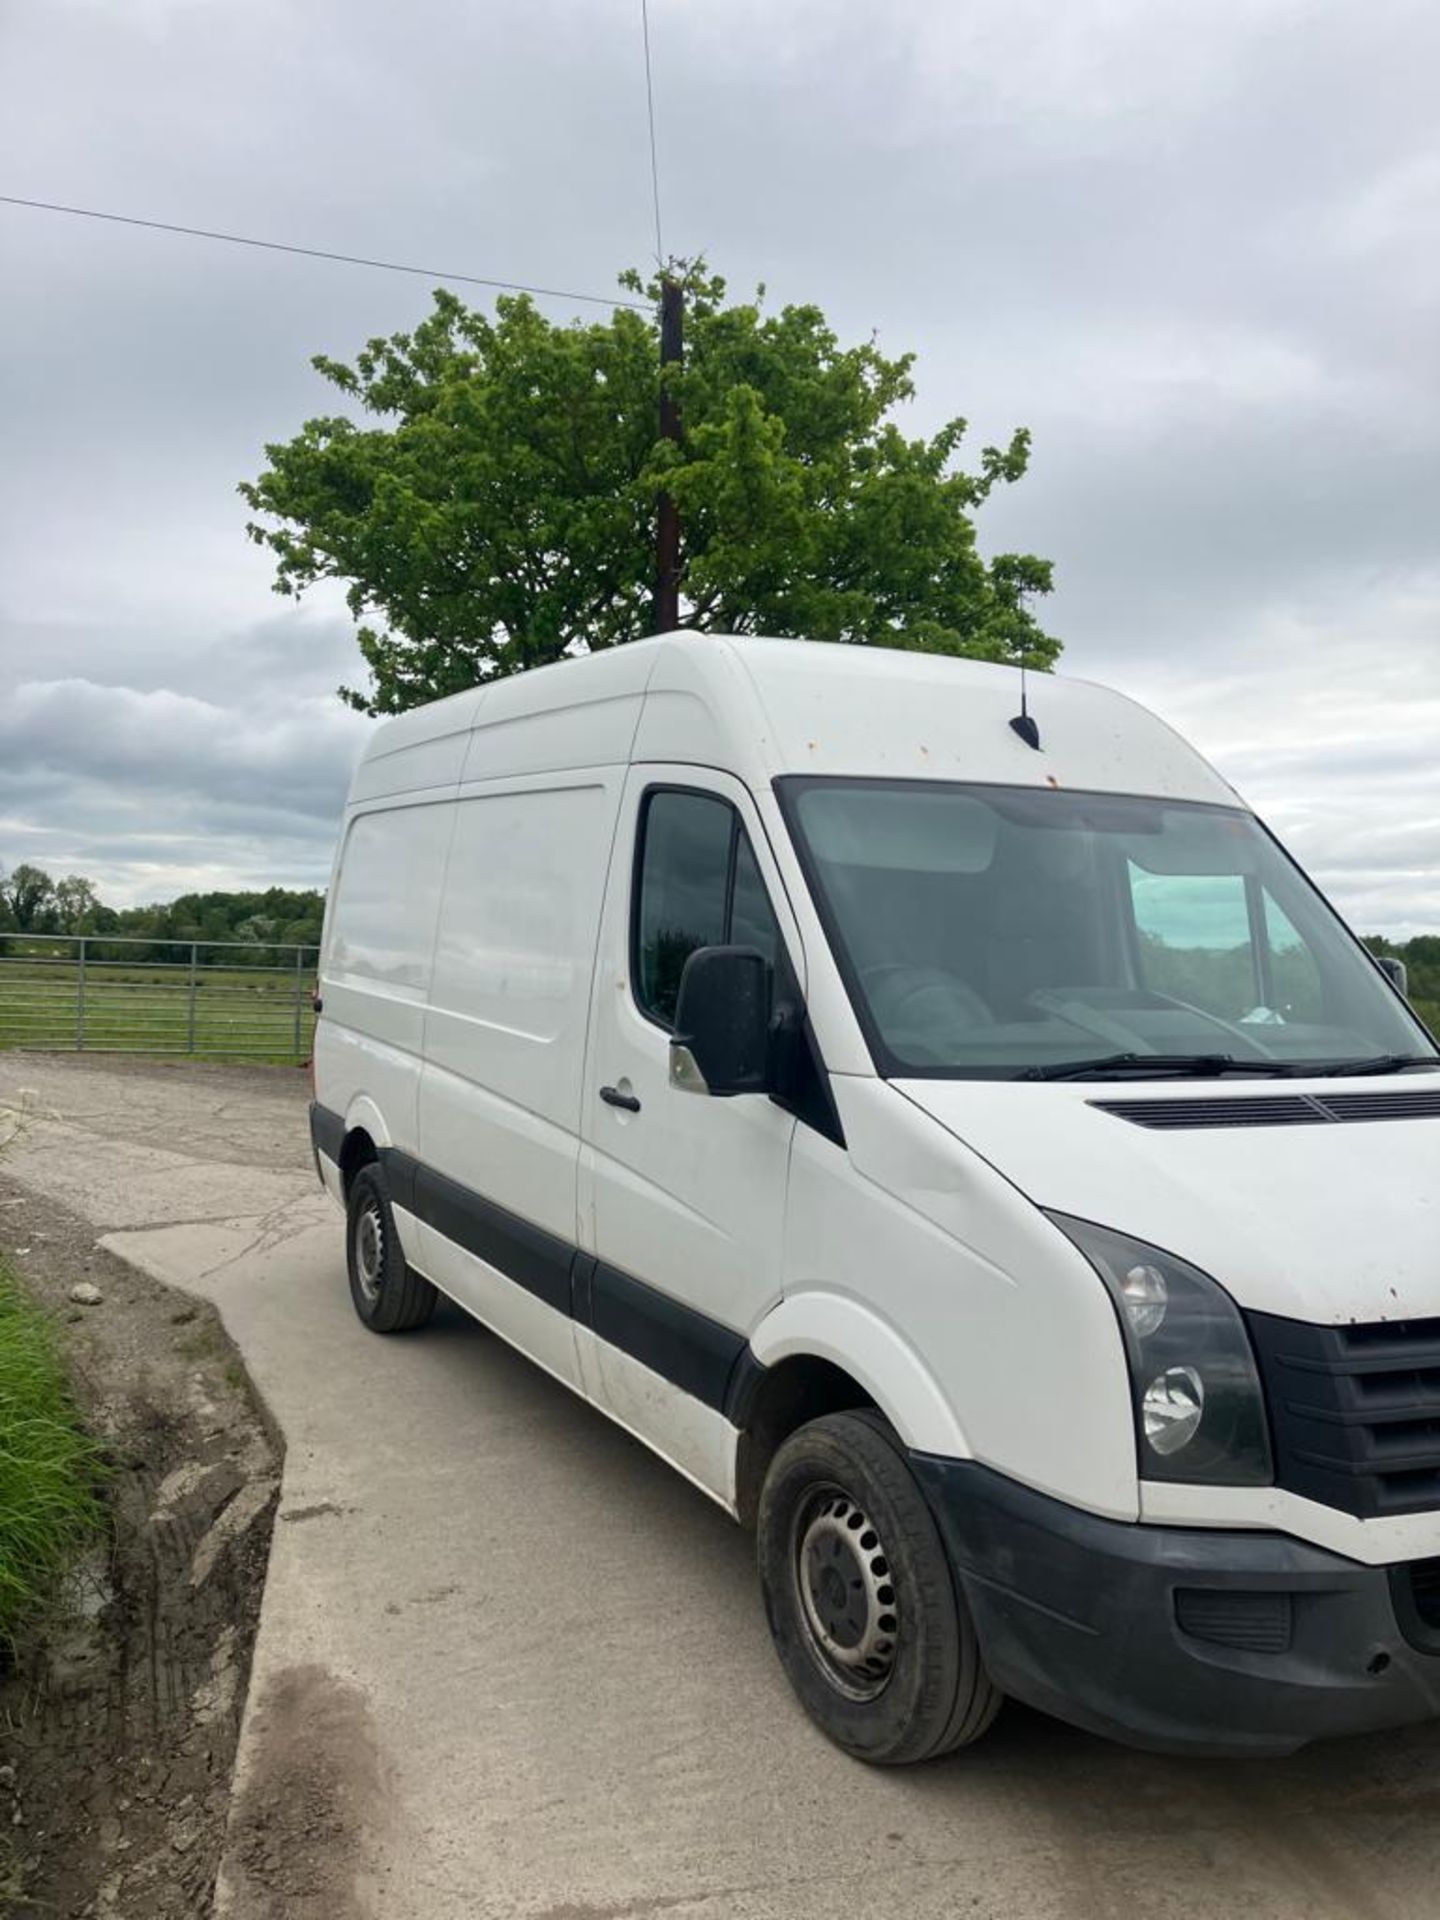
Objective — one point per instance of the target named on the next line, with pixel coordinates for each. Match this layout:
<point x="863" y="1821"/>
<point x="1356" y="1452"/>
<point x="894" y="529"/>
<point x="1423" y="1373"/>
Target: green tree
<point x="26" y="896"/>
<point x="499" y="512"/>
<point x="74" y="905"/>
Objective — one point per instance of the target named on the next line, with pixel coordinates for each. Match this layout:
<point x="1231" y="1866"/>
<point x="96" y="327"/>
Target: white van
<point x="972" y="1153"/>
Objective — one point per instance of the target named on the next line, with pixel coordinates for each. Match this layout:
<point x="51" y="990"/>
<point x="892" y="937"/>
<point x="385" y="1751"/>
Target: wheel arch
<point x="819" y="1353"/>
<point x="365" y="1135"/>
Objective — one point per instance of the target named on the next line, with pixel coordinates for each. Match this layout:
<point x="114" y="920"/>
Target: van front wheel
<point x="389" y="1296"/>
<point x="867" y="1619"/>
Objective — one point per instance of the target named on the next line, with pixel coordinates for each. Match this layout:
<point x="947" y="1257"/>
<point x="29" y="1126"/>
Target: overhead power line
<point x="321" y="253"/>
<point x="650" y="109"/>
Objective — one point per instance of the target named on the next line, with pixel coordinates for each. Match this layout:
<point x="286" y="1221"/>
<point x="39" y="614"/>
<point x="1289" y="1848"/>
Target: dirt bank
<point x="119" y="1714"/>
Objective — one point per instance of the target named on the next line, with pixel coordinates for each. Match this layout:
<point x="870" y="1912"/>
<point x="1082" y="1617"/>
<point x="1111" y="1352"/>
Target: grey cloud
<point x="297" y="654"/>
<point x="1192" y="248"/>
<point x="150" y="792"/>
<point x="163" y="740"/>
<point x="1337" y="744"/>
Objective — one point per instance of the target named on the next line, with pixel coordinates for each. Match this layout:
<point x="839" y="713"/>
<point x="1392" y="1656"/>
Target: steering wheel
<point x="957" y="999"/>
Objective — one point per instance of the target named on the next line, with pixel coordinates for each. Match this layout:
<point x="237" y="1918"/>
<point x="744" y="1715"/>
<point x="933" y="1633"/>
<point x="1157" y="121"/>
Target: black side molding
<point x="526" y="1254"/>
<point x="327" y="1131"/>
<point x="582" y="1284"/>
<point x="681" y="1344"/>
<point x="742" y="1387"/>
<point x="684" y="1346"/>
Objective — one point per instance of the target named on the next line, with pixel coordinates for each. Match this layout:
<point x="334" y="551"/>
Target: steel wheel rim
<point x="369" y="1253"/>
<point x="846" y="1591"/>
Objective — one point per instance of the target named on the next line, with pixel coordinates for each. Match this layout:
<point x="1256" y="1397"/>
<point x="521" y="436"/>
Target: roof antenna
<point x="1022" y="723"/>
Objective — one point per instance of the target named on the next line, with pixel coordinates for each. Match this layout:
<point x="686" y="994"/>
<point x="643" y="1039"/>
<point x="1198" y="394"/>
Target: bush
<point x="49" y="1470"/>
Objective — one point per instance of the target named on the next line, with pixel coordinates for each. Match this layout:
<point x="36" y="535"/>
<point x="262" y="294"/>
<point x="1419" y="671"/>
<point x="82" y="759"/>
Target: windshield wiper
<point x="1201" y="1065"/>
<point x="1380" y="1063"/>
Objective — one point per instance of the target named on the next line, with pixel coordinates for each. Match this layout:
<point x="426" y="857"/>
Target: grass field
<point x="49" y="1471"/>
<point x="250" y="1013"/>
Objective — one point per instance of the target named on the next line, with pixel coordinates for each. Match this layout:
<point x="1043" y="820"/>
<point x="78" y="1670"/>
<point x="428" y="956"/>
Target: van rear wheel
<point x="389" y="1296"/>
<point x="867" y="1618"/>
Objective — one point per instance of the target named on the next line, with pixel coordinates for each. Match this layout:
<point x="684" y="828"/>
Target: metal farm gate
<point x="96" y="993"/>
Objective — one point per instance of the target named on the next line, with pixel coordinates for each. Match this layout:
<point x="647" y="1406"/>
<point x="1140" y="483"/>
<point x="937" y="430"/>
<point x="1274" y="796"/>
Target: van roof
<point x="762" y="707"/>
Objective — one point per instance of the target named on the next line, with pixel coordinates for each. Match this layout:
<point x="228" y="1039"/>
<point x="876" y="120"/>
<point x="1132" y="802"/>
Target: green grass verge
<point x="50" y="1471"/>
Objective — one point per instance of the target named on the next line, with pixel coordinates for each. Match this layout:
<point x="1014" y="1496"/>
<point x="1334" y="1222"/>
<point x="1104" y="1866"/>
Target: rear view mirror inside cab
<point x="1189" y="841"/>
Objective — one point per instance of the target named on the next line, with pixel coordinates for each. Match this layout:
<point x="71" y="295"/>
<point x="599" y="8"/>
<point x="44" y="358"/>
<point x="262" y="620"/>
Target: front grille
<point x="1275" y="1109"/>
<point x="1354" y="1411"/>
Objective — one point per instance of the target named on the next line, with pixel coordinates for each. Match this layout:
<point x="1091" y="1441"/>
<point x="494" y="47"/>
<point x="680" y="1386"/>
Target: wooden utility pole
<point x="667" y="518"/>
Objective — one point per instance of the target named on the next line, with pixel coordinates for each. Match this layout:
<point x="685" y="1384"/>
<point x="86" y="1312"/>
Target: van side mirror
<point x="1394" y="971"/>
<point x="722" y="1023"/>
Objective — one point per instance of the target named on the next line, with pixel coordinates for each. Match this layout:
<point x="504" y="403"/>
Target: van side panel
<point x="695" y="1439"/>
<point x="428" y="763"/>
<point x="375" y="971"/>
<point x="509" y="745"/>
<point x="380" y="936"/>
<point x="509" y="1001"/>
<point x="1018" y="1338"/>
<point x="505" y="1050"/>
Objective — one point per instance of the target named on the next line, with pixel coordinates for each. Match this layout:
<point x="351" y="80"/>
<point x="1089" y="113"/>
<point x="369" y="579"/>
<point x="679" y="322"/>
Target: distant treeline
<point x="33" y="904"/>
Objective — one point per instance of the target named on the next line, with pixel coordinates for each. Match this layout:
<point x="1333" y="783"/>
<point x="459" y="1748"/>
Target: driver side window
<point x="696" y="885"/>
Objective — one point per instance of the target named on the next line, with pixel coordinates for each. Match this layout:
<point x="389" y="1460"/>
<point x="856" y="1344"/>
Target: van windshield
<point x="1014" y="932"/>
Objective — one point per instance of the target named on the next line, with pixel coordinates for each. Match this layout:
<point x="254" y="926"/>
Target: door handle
<point x="613" y="1097"/>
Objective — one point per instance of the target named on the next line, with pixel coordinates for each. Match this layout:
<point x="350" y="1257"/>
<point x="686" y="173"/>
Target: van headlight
<point x="1199" y="1409"/>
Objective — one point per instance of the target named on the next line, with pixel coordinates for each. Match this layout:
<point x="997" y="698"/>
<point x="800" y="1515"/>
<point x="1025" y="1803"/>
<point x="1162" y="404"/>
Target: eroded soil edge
<point x="119" y="1715"/>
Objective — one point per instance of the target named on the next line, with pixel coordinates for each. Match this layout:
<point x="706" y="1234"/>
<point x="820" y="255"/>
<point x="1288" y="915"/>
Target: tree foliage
<point x="26" y="897"/>
<point x="257" y="921"/>
<point x="498" y="512"/>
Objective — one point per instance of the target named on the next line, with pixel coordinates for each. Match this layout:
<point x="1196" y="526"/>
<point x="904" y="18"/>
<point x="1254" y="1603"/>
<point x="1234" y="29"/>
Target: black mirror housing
<point x="721" y="1043"/>
<point x="1395" y="972"/>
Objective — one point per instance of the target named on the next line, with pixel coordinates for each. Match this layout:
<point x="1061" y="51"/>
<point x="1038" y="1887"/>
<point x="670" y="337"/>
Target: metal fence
<point x="97" y="993"/>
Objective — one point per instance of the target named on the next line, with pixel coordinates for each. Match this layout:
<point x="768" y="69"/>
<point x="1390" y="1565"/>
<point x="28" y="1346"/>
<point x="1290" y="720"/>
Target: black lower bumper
<point x="1179" y="1639"/>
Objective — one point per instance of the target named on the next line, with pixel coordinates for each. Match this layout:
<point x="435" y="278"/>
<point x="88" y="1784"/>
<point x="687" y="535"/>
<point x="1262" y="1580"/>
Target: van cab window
<point x="1224" y="945"/>
<point x="1005" y="932"/>
<point x="697" y="886"/>
<point x="1296" y="977"/>
<point x="1195" y="939"/>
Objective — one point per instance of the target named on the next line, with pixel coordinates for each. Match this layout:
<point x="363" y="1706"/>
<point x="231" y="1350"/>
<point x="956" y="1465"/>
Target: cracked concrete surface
<point x="549" y="1652"/>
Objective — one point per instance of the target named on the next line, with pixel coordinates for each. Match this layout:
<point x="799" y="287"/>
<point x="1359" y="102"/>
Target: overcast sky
<point x="1194" y="247"/>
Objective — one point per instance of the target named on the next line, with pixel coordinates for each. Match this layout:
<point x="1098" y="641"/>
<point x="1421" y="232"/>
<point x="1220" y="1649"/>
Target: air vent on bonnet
<point x="1265" y="1110"/>
<point x="1395" y="1105"/>
<point x="1276" y="1109"/>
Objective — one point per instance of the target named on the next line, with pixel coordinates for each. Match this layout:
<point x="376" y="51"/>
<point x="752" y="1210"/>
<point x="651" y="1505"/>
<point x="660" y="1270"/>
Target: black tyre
<point x="389" y="1296"/>
<point x="865" y="1613"/>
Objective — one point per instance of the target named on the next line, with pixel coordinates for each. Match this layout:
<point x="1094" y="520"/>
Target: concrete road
<point x="510" y="1665"/>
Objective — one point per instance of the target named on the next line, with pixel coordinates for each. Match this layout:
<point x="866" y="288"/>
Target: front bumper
<point x="1180" y="1639"/>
